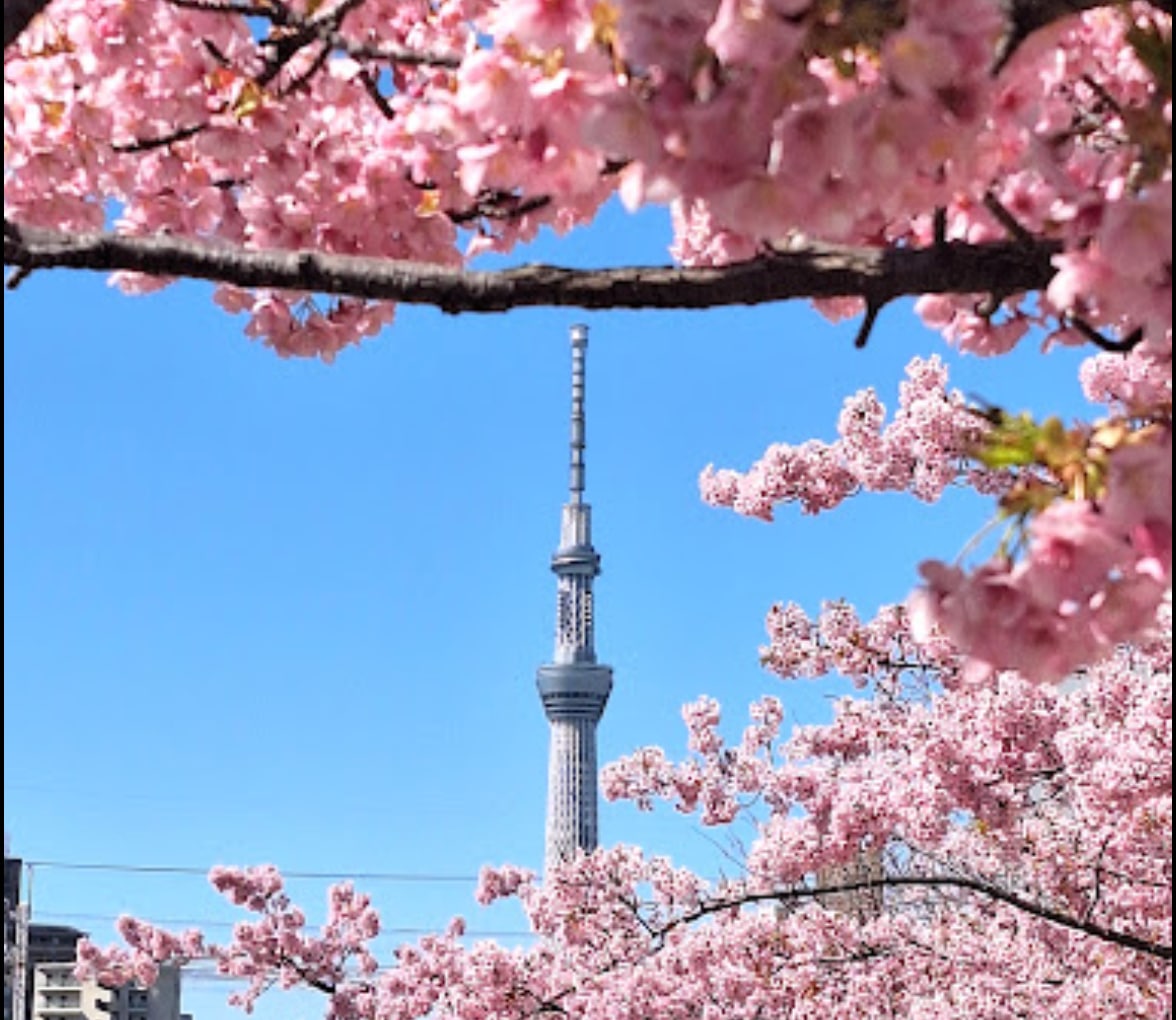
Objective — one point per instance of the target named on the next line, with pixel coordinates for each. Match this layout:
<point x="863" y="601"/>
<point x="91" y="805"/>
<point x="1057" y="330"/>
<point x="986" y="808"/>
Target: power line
<point x="210" y="923"/>
<point x="176" y="869"/>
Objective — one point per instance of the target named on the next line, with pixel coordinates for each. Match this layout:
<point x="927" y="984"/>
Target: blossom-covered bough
<point x="988" y="834"/>
<point x="1023" y="834"/>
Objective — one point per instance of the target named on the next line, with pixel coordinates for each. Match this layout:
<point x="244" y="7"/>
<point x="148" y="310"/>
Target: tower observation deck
<point x="574" y="687"/>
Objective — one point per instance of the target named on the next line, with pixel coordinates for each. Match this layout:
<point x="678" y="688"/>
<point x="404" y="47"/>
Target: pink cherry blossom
<point x="922" y="450"/>
<point x="1018" y="829"/>
<point x="985" y="830"/>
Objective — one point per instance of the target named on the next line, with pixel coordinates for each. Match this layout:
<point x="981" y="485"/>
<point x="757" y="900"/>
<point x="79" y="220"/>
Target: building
<point x="573" y="687"/>
<point x="159" y="1002"/>
<point x="48" y="952"/>
<point x="12" y="873"/>
<point x="53" y="943"/>
<point x="14" y="934"/>
<point x="59" y="995"/>
<point x="864" y="902"/>
<point x="45" y="987"/>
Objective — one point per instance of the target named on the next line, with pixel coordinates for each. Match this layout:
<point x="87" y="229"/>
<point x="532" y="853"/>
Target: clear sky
<point x="259" y="610"/>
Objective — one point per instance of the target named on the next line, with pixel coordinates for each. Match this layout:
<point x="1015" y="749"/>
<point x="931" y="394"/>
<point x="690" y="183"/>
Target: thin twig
<point x="17" y="277"/>
<point x="275" y="13"/>
<point x="283" y="17"/>
<point x="1127" y="343"/>
<point x="214" y="52"/>
<point x="1007" y="220"/>
<point x="1096" y="893"/>
<point x="395" y="54"/>
<point x="939" y="226"/>
<point x="1100" y="91"/>
<point x="372" y="88"/>
<point x="148" y="144"/>
<point x="867" y="327"/>
<point x="500" y="208"/>
<point x="300" y="82"/>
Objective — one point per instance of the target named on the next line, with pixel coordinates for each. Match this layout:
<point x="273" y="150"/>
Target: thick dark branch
<point x="878" y="275"/>
<point x="976" y="885"/>
<point x="17" y="15"/>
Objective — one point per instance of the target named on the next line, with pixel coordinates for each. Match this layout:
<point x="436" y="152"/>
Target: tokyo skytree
<point x="574" y="687"/>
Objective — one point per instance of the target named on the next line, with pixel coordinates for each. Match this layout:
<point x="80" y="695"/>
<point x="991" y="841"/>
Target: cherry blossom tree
<point x="1022" y="833"/>
<point x="987" y="833"/>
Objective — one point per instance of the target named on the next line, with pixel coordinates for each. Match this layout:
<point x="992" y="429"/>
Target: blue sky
<point x="259" y="610"/>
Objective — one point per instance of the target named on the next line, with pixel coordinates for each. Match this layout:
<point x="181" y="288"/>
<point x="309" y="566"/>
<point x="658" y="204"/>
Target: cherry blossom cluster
<point x="433" y="132"/>
<point x="1092" y="575"/>
<point x="499" y="883"/>
<point x="274" y="949"/>
<point x="971" y="842"/>
<point x="1022" y="840"/>
<point x="177" y="114"/>
<point x="716" y="783"/>
<point x="922" y="450"/>
<point x="147" y="947"/>
<point x="880" y="653"/>
<point x="1037" y="785"/>
<point x="1129" y="385"/>
<point x="1097" y="555"/>
<point x="1071" y="140"/>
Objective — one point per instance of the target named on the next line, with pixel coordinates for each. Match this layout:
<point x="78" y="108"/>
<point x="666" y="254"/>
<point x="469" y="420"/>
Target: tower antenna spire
<point x="579" y="350"/>
<point x="573" y="687"/>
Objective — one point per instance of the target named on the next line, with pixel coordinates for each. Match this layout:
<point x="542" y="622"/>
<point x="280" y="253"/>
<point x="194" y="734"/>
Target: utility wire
<point x="199" y="923"/>
<point x="176" y="869"/>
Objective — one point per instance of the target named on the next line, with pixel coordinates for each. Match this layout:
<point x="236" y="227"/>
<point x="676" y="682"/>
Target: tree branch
<point x="1024" y="17"/>
<point x="324" y="28"/>
<point x="976" y="885"/>
<point x="867" y="326"/>
<point x="17" y="15"/>
<point x="879" y="275"/>
<point x="1086" y="330"/>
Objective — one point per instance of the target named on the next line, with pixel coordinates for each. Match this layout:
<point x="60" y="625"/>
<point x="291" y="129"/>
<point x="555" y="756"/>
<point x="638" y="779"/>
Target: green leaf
<point x="1154" y="50"/>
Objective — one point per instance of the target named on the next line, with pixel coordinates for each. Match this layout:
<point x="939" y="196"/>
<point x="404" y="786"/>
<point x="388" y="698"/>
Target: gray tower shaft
<point x="574" y="688"/>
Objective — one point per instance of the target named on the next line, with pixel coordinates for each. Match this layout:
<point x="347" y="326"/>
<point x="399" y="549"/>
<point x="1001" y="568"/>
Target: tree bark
<point x="878" y="275"/>
<point x="17" y="15"/>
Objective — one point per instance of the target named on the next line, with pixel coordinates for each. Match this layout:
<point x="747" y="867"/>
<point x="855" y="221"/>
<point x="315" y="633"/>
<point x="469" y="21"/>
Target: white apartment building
<point x="59" y="995"/>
